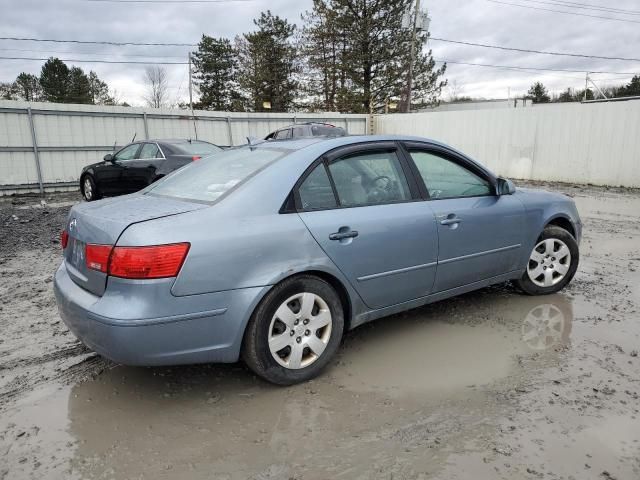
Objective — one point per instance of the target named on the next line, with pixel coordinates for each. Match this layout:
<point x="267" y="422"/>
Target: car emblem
<point x="73" y="224"/>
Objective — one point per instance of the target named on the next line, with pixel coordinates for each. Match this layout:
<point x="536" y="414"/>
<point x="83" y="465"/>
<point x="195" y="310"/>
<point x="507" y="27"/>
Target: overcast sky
<point x="479" y="21"/>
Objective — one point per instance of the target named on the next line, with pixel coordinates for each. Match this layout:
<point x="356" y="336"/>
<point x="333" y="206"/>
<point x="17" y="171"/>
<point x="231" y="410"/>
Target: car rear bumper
<point x="138" y="323"/>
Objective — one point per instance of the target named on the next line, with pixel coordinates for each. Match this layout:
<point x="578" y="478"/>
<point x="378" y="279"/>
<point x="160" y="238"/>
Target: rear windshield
<point x="197" y="148"/>
<point x="205" y="180"/>
<point x="327" y="130"/>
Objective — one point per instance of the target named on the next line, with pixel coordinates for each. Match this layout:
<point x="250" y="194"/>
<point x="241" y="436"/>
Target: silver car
<point x="270" y="252"/>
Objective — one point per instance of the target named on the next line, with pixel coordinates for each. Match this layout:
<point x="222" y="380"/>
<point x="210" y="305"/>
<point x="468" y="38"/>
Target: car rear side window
<point x="209" y="178"/>
<point x="369" y="178"/>
<point x="316" y="192"/>
<point x="446" y="179"/>
<point x="149" y="150"/>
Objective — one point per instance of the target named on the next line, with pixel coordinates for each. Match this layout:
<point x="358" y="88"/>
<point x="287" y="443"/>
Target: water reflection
<point x="218" y="421"/>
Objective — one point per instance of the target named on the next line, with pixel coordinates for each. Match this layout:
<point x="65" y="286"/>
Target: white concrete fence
<point x="44" y="146"/>
<point x="588" y="143"/>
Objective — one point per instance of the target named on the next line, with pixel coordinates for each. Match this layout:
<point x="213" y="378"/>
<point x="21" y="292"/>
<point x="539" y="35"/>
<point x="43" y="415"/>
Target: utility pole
<point x="407" y="106"/>
<point x="195" y="127"/>
<point x="586" y="85"/>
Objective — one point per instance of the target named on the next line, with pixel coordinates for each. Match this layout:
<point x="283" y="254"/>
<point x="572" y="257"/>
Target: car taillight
<point x="97" y="257"/>
<point x="64" y="239"/>
<point x="157" y="261"/>
<point x="196" y="157"/>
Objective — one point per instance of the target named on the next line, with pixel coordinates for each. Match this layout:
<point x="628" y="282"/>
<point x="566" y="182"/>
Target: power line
<point x="90" y="53"/>
<point x="542" y="52"/>
<point x="75" y="60"/>
<point x="513" y="67"/>
<point x="169" y="1"/>
<point x="564" y="12"/>
<point x="96" y="42"/>
<point x="586" y="6"/>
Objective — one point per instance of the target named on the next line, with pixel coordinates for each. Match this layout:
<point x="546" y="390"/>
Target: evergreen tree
<point x="362" y="52"/>
<point x="79" y="87"/>
<point x="99" y="91"/>
<point x="267" y="62"/>
<point x="54" y="79"/>
<point x="538" y="93"/>
<point x="215" y="67"/>
<point x="632" y="89"/>
<point x="28" y="88"/>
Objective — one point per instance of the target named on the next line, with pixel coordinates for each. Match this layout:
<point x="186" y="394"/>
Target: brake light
<point x="196" y="157"/>
<point x="64" y="239"/>
<point x="157" y="261"/>
<point x="97" y="257"/>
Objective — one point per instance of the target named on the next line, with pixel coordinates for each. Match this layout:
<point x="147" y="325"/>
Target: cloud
<point x="467" y="20"/>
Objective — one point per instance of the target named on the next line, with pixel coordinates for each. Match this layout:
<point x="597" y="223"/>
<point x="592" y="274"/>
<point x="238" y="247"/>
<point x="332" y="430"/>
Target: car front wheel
<point x="552" y="263"/>
<point x="89" y="189"/>
<point x="295" y="331"/>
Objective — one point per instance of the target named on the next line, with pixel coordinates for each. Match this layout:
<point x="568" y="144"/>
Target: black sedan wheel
<point x="89" y="189"/>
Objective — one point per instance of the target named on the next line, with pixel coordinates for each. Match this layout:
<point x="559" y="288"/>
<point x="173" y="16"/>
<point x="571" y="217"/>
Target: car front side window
<point x="128" y="152"/>
<point x="447" y="179"/>
<point x="369" y="178"/>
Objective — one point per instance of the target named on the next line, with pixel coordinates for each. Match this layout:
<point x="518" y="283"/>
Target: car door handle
<point x="343" y="235"/>
<point x="451" y="219"/>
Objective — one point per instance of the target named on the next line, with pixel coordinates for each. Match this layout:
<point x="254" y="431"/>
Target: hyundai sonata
<point x="272" y="251"/>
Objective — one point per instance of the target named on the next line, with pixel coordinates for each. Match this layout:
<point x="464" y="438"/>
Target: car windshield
<point x="208" y="179"/>
<point x="197" y="148"/>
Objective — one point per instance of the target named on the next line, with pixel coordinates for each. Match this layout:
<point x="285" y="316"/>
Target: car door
<point x="142" y="170"/>
<point x="109" y="176"/>
<point x="362" y="206"/>
<point x="480" y="233"/>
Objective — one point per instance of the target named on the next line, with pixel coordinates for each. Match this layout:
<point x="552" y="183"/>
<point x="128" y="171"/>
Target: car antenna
<point x="254" y="141"/>
<point x="134" y="137"/>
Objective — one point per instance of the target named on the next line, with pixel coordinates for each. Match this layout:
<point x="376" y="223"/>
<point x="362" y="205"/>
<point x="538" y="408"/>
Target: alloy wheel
<point x="87" y="189"/>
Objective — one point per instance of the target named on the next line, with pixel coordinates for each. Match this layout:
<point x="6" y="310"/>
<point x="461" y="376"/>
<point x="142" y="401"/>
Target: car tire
<point x="552" y="263"/>
<point x="89" y="189"/>
<point x="281" y="344"/>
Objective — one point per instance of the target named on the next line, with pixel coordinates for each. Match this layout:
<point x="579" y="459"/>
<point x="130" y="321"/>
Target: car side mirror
<point x="505" y="187"/>
<point x="109" y="158"/>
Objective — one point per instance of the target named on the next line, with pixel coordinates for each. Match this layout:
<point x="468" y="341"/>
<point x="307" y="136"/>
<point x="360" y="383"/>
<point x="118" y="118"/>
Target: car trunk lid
<point x="102" y="223"/>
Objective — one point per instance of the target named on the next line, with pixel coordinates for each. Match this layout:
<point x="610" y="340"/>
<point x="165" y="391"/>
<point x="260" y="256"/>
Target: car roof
<point x="298" y="143"/>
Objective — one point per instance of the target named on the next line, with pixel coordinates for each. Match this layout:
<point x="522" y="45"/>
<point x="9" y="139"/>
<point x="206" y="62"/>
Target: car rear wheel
<point x="89" y="189"/>
<point x="552" y="263"/>
<point x="295" y="331"/>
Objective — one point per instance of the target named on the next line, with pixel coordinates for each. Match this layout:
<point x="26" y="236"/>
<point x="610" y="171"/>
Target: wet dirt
<point x="492" y="384"/>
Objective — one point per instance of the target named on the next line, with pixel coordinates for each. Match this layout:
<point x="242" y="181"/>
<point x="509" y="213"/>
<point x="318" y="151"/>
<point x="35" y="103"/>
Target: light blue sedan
<point x="270" y="252"/>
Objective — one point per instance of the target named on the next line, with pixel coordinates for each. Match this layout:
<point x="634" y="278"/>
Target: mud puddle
<point x="492" y="384"/>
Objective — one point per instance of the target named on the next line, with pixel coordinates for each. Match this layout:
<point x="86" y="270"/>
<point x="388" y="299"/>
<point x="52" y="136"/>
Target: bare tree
<point x="157" y="86"/>
<point x="455" y="90"/>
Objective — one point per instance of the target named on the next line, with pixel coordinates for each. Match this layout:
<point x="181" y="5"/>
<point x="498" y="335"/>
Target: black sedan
<point x="139" y="164"/>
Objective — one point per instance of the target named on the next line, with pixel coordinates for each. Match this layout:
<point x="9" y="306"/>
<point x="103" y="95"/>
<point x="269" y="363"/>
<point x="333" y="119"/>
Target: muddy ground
<point x="492" y="384"/>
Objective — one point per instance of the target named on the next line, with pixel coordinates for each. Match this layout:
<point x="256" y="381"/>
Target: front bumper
<point x="141" y="323"/>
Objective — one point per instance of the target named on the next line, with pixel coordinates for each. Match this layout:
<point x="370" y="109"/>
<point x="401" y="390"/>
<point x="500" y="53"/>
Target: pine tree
<point x="267" y="64"/>
<point x="54" y="79"/>
<point x="28" y="87"/>
<point x="99" y="91"/>
<point x="538" y="93"/>
<point x="215" y="67"/>
<point x="361" y="46"/>
<point x="79" y="87"/>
